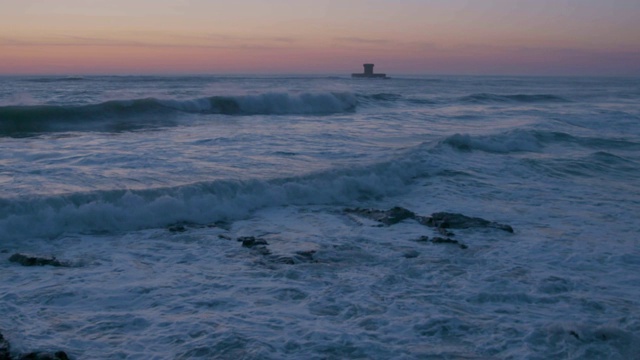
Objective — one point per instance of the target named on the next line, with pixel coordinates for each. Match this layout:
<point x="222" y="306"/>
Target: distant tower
<point x="368" y="69"/>
<point x="368" y="73"/>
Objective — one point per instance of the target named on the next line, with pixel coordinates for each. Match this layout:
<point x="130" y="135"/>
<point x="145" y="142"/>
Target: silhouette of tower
<point x="368" y="73"/>
<point x="368" y="69"/>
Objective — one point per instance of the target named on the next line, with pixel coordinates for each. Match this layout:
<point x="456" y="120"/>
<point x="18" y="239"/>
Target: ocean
<point x="321" y="217"/>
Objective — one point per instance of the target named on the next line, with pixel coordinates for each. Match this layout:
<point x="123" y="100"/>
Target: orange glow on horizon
<point x="322" y="36"/>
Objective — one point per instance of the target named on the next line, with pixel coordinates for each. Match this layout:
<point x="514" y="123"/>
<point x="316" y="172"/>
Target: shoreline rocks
<point x="441" y="221"/>
<point x="28" y="260"/>
<point x="5" y="353"/>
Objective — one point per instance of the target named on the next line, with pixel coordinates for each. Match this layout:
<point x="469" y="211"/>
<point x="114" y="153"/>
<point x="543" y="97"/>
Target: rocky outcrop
<point x="441" y="221"/>
<point x="28" y="260"/>
<point x="5" y="353"/>
<point x="251" y="241"/>
<point x="259" y="246"/>
<point x="446" y="220"/>
<point x="439" y="240"/>
<point x="386" y="217"/>
<point x="58" y="355"/>
<point x="5" y="349"/>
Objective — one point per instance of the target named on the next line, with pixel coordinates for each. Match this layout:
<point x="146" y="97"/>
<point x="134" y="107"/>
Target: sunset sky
<point x="529" y="37"/>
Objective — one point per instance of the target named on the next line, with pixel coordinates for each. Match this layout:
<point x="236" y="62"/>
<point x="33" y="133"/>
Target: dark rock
<point x="439" y="240"/>
<point x="387" y="217"/>
<point x="250" y="241"/>
<point x="444" y="232"/>
<point x="59" y="355"/>
<point x="225" y="237"/>
<point x="177" y="228"/>
<point x="574" y="334"/>
<point x="447" y="220"/>
<point x="439" y="220"/>
<point x="26" y="260"/>
<point x="5" y="349"/>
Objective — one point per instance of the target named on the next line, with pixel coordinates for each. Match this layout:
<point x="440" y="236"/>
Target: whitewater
<point x="200" y="217"/>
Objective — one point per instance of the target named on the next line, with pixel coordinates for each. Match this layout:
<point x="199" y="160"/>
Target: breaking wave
<point x="113" y="211"/>
<point x="118" y="115"/>
<point x="523" y="140"/>
<point x="485" y="98"/>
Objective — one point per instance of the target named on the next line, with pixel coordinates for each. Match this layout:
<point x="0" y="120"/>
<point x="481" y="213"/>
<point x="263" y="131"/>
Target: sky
<point x="475" y="37"/>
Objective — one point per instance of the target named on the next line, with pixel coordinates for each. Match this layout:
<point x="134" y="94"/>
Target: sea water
<point x="143" y="185"/>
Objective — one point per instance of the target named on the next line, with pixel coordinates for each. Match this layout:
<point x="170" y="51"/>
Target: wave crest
<point x="487" y="98"/>
<point x="118" y="115"/>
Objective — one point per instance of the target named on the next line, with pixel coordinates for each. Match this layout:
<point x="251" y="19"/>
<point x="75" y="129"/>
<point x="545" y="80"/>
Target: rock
<point x="58" y="355"/>
<point x="5" y="353"/>
<point x="387" y="217"/>
<point x="447" y="220"/>
<point x="439" y="220"/>
<point x="26" y="260"/>
<point x="250" y="241"/>
<point x="5" y="349"/>
<point x="439" y="240"/>
<point x="177" y="228"/>
<point x="225" y="237"/>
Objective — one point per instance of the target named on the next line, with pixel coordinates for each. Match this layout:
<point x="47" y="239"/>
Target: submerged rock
<point x="250" y="241"/>
<point x="177" y="228"/>
<point x="58" y="355"/>
<point x="27" y="260"/>
<point x="5" y="349"/>
<point x="446" y="220"/>
<point x="439" y="240"/>
<point x="387" y="217"/>
<point x="439" y="220"/>
<point x="5" y="353"/>
<point x="442" y="221"/>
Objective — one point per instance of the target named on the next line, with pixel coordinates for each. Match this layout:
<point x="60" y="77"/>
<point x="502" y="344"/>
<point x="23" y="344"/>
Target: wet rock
<point x="250" y="241"/>
<point x="225" y="237"/>
<point x="439" y="240"/>
<point x="387" y="217"/>
<point x="58" y="355"/>
<point x="447" y="220"/>
<point x="27" y="260"/>
<point x="5" y="353"/>
<point x="177" y="228"/>
<point x="5" y="349"/>
<point x="439" y="220"/>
